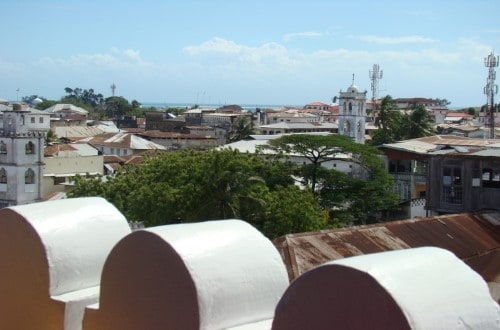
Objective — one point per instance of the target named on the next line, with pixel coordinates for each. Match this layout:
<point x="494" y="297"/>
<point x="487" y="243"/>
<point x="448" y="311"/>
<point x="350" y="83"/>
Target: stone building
<point x="21" y="155"/>
<point x="352" y="113"/>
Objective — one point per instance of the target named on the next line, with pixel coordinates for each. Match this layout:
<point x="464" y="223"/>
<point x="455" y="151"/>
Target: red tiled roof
<point x="173" y="135"/>
<point x="458" y="114"/>
<point x="55" y="149"/>
<point x="113" y="159"/>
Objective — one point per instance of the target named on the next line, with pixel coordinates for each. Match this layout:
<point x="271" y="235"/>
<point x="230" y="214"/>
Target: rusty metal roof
<point x="472" y="237"/>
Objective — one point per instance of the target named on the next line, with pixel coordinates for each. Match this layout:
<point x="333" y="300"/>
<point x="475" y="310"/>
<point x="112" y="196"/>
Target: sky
<point x="247" y="52"/>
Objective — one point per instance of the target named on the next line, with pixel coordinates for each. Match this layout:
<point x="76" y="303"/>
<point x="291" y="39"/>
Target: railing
<point x="452" y="195"/>
<point x="417" y="177"/>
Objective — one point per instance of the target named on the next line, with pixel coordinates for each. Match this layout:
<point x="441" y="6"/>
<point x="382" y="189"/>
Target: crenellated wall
<point x="75" y="264"/>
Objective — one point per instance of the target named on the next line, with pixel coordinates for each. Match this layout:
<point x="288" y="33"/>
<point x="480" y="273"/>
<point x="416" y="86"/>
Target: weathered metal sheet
<point x="470" y="236"/>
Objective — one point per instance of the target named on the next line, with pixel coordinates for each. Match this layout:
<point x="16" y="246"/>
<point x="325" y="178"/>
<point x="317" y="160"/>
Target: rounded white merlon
<point x="51" y="255"/>
<point x="420" y="288"/>
<point x="207" y="275"/>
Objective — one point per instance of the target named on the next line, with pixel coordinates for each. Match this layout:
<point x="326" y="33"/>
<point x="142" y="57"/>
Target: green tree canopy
<point x="388" y="121"/>
<point x="347" y="198"/>
<point x="317" y="149"/>
<point x="188" y="186"/>
<point x="241" y="129"/>
<point x="396" y="126"/>
<point x="85" y="96"/>
<point x="117" y="106"/>
<point x="418" y="123"/>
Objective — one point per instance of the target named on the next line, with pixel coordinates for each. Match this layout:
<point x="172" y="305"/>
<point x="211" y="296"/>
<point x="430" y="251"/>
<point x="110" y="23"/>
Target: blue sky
<point x="247" y="52"/>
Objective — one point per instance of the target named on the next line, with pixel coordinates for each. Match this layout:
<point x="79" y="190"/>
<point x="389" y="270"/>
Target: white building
<point x="352" y="113"/>
<point x="21" y="155"/>
<point x="121" y="144"/>
<point x="62" y="162"/>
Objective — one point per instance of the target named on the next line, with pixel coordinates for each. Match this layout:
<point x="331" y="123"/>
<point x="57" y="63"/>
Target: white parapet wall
<point x="420" y="288"/>
<point x="207" y="275"/>
<point x="51" y="259"/>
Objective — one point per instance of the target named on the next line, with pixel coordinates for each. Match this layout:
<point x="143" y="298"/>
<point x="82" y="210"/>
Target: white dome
<point x="352" y="89"/>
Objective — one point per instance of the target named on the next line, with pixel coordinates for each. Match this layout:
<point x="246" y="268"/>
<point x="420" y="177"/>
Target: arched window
<point x="345" y="106"/>
<point x="347" y="127"/>
<point x="3" y="175"/>
<point x="30" y="148"/>
<point x="3" y="148"/>
<point x="29" y="176"/>
<point x="350" y="107"/>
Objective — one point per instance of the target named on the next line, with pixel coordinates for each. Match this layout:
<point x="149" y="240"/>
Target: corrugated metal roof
<point x="301" y="125"/>
<point x="61" y="107"/>
<point x="76" y="131"/>
<point x="70" y="150"/>
<point x="488" y="153"/>
<point x="123" y="140"/>
<point x="411" y="146"/>
<point x="470" y="236"/>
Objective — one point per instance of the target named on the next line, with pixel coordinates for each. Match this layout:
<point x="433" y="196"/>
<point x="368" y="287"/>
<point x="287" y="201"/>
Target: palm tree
<point x="388" y="121"/>
<point x="241" y="129"/>
<point x="420" y="123"/>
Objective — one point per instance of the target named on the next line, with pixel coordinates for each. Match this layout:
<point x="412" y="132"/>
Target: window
<point x="32" y="120"/>
<point x="347" y="127"/>
<point x="3" y="175"/>
<point x="3" y="148"/>
<point x="29" y="148"/>
<point x="59" y="180"/>
<point x="452" y="185"/>
<point x="29" y="176"/>
<point x="40" y="120"/>
<point x="491" y="178"/>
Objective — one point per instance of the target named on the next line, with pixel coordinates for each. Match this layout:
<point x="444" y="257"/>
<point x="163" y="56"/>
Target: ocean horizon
<point x="251" y="107"/>
<point x="246" y="106"/>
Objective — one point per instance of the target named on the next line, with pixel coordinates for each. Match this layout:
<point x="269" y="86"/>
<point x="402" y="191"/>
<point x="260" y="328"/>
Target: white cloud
<point x="394" y="40"/>
<point x="309" y="34"/>
<point x="473" y="49"/>
<point x="242" y="53"/>
<point x="116" y="59"/>
<point x="133" y="54"/>
<point x="11" y="68"/>
<point x="216" y="45"/>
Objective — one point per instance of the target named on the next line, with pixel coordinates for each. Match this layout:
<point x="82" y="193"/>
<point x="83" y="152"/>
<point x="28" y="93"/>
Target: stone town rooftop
<point x="472" y="237"/>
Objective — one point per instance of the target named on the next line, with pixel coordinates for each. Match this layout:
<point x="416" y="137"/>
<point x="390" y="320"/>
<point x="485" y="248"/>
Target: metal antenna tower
<point x="113" y="87"/>
<point x="375" y="75"/>
<point x="491" y="62"/>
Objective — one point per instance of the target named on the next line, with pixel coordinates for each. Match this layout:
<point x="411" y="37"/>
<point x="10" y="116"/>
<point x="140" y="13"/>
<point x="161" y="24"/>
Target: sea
<point x="248" y="107"/>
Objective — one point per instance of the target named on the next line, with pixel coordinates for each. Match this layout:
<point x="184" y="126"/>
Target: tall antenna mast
<point x="113" y="87"/>
<point x="491" y="62"/>
<point x="375" y="75"/>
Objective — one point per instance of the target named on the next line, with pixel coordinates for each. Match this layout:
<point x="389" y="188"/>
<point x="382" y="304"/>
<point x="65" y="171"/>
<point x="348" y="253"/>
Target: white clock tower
<point x="352" y="113"/>
<point x="22" y="139"/>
